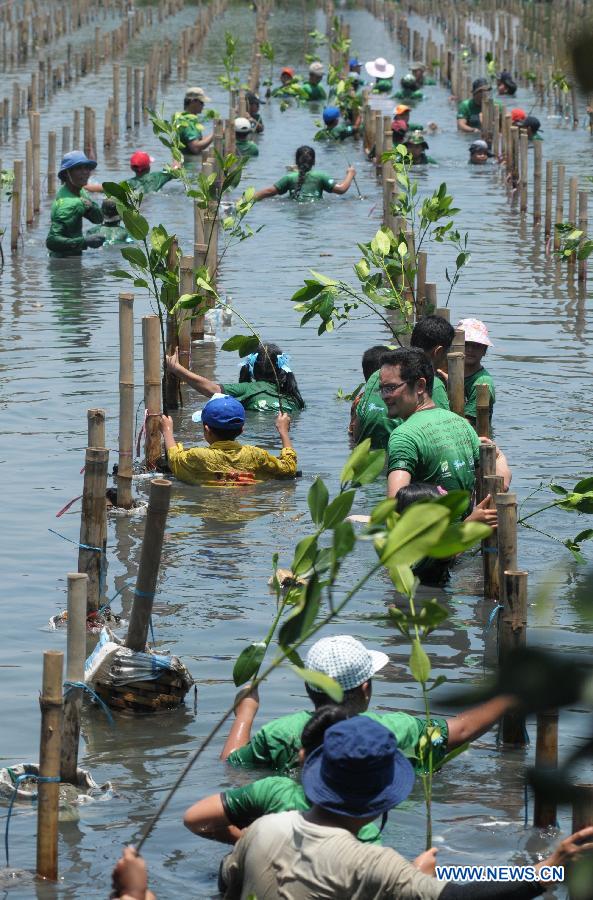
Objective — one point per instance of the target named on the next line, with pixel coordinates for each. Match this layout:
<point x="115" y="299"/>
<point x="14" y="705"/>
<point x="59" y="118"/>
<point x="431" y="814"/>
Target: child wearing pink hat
<point x="477" y="342"/>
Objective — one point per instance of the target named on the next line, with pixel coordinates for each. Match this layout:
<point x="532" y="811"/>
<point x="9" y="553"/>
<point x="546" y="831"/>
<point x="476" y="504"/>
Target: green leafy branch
<point x="574" y="244"/>
<point x="579" y="500"/>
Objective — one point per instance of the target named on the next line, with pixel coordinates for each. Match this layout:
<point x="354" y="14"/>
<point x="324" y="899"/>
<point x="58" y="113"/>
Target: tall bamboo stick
<point x="48" y="793"/>
<point x="152" y="389"/>
<point x="76" y="647"/>
<point x="92" y="523"/>
<point x="126" y="400"/>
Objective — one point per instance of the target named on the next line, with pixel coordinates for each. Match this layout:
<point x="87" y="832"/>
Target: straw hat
<point x="379" y="68"/>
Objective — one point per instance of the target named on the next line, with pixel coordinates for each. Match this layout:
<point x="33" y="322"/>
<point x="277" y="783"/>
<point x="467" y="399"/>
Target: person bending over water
<point x="307" y="184"/>
<point x="263" y="376"/>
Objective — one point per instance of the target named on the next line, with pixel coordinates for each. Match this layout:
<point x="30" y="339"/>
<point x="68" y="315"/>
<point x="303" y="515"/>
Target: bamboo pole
<point x="129" y="95"/>
<point x="524" y="162"/>
<point x="546" y="758"/>
<point x="48" y="793"/>
<point x="512" y="633"/>
<point x="537" y="182"/>
<point x="483" y="410"/>
<point x="126" y="400"/>
<point x="92" y="528"/>
<point x="36" y="139"/>
<point x="186" y="286"/>
<point x="29" y="182"/>
<point x="559" y="211"/>
<point x="17" y="191"/>
<point x="96" y="427"/>
<point x="115" y="116"/>
<point x="506" y="510"/>
<point x="421" y="263"/>
<point x="148" y="569"/>
<point x="492" y="484"/>
<point x="431" y="301"/>
<point x="455" y="384"/>
<point x="487" y="468"/>
<point x="582" y="808"/>
<point x="197" y="322"/>
<point x="152" y="389"/>
<point x="51" y="163"/>
<point x="548" y="208"/>
<point x="76" y="655"/>
<point x="583" y="224"/>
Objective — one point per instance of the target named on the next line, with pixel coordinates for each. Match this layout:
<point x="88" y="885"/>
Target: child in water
<point x="307" y="184"/>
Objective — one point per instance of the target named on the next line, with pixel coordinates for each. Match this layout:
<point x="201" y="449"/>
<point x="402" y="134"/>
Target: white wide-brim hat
<point x="380" y="68"/>
<point x="345" y="659"/>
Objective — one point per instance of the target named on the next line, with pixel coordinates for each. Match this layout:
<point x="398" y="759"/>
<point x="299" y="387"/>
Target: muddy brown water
<point x="58" y="334"/>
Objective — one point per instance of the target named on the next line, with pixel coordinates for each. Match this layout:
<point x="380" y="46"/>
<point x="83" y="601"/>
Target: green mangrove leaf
<point x="338" y="509"/>
<point x="581" y="487"/>
<point x="418" y="530"/>
<point x="455" y="501"/>
<point x="244" y="343"/>
<point x="344" y="540"/>
<point x="449" y="756"/>
<point x="300" y="621"/>
<point x="322" y="682"/>
<point x="304" y="555"/>
<point x="248" y="662"/>
<point x="419" y="662"/>
<point x="372" y="468"/>
<point x="355" y="460"/>
<point x="400" y="619"/>
<point x="458" y="538"/>
<point x="135" y="224"/>
<point x="119" y="273"/>
<point x="381" y="244"/>
<point x="382" y="510"/>
<point x="403" y="579"/>
<point x="118" y="191"/>
<point x="431" y="615"/>
<point x="441" y="679"/>
<point x="136" y="256"/>
<point x="328" y="282"/>
<point x="317" y="499"/>
<point x="189" y="301"/>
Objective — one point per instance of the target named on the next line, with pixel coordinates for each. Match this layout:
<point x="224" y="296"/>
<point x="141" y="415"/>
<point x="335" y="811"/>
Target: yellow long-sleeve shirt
<point x="226" y="461"/>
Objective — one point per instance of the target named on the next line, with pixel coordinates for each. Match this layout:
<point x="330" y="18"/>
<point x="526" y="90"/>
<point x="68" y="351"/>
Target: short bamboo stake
<point x="126" y="400"/>
<point x="546" y="757"/>
<point x="537" y="182"/>
<point x="431" y="301"/>
<point x="455" y="384"/>
<point x="512" y="634"/>
<point x="129" y="95"/>
<point x="487" y="468"/>
<point x="422" y="263"/>
<point x="583" y="224"/>
<point x="91" y="553"/>
<point x="76" y="646"/>
<point x="483" y="410"/>
<point x="524" y="162"/>
<point x="115" y="116"/>
<point x="36" y="139"/>
<point x="186" y="286"/>
<point x="582" y="808"/>
<point x="151" y="337"/>
<point x="51" y="163"/>
<point x="96" y="427"/>
<point x="548" y="208"/>
<point x="17" y="192"/>
<point x="29" y="182"/>
<point x="197" y="322"/>
<point x="493" y="485"/>
<point x="48" y="793"/>
<point x="506" y="514"/>
<point x="458" y="342"/>
<point x="148" y="569"/>
<point x="559" y="213"/>
<point x="66" y="142"/>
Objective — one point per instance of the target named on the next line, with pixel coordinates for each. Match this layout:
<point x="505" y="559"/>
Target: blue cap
<point x="76" y="158"/>
<point x="358" y="770"/>
<point x="222" y="413"/>
<point x="353" y="62"/>
<point x="330" y="114"/>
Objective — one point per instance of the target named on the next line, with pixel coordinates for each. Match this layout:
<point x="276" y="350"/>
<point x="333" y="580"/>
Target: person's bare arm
<point x="482" y="513"/>
<point x="397" y="480"/>
<point x="208" y="819"/>
<point x="130" y="877"/>
<point x="503" y="469"/>
<point x="246" y="707"/>
<point x="202" y="385"/>
<point x="468" y="129"/>
<point x="166" y="424"/>
<point x="282" y="424"/>
<point x="93" y="188"/>
<point x="343" y="186"/>
<point x="264" y="193"/>
<point x="199" y="144"/>
<point x="469" y="725"/>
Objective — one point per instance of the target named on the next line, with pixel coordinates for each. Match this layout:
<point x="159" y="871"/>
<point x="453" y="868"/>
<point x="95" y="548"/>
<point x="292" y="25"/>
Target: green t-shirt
<point x="342" y="131"/>
<point x="440" y="396"/>
<point x="424" y="160"/>
<point x="373" y="419"/>
<point x="277" y="744"/>
<point x="275" y="794"/>
<point x="113" y="234"/>
<point x="382" y="86"/>
<point x="247" y="148"/>
<point x="436" y="447"/>
<point x="536" y="137"/>
<point x="188" y="128"/>
<point x="65" y="236"/>
<point x="470" y="112"/>
<point x="313" y="91"/>
<point x="150" y="182"/>
<point x="314" y="184"/>
<point x="259" y="395"/>
<point x="470" y="384"/>
<point x="402" y="94"/>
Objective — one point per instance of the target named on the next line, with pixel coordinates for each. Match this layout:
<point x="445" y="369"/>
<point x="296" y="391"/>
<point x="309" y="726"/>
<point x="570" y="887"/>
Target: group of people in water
<point x="315" y="835"/>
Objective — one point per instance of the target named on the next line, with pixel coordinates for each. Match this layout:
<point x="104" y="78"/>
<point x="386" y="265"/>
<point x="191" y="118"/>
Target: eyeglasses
<point x="390" y="388"/>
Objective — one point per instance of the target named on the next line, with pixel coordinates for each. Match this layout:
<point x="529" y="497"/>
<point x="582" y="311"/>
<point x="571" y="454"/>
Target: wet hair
<point x="225" y="434"/>
<point x="408" y="82"/>
<point x="266" y="368"/>
<point x="371" y="360"/>
<point x="251" y="98"/>
<point x="413" y="493"/>
<point x="353" y="700"/>
<point x="322" y="719"/>
<point x="413" y="364"/>
<point x="507" y="79"/>
<point x="431" y="332"/>
<point x="305" y="160"/>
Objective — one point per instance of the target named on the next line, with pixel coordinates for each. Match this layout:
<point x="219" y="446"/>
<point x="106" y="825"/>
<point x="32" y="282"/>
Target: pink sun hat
<point x="475" y="332"/>
<point x="379" y="68"/>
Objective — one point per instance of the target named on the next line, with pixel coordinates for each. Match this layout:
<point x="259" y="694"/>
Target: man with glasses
<point x="432" y="445"/>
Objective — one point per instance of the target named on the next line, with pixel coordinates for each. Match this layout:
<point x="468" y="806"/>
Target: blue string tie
<point x="46" y="779"/>
<point x="70" y="685"/>
<point x="492" y="617"/>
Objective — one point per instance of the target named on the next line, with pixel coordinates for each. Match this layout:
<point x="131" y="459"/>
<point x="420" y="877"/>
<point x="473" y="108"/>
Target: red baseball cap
<point x="517" y="115"/>
<point x="141" y="160"/>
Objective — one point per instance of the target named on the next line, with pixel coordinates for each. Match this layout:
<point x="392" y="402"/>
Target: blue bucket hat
<point x="330" y="114"/>
<point x="358" y="770"/>
<point x="352" y="63"/>
<point x="222" y="413"/>
<point x="76" y="158"/>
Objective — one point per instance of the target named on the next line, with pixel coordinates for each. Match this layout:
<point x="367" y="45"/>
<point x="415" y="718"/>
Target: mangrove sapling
<point x="231" y="80"/>
<point x="579" y="499"/>
<point x="6" y="182"/>
<point x="400" y="541"/>
<point x="387" y="271"/>
<point x="267" y="51"/>
<point x="574" y="243"/>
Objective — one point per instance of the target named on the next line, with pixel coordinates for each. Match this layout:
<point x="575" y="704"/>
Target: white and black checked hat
<point x="345" y="660"/>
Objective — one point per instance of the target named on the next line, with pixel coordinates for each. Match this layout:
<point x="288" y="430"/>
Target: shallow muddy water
<point x="58" y="338"/>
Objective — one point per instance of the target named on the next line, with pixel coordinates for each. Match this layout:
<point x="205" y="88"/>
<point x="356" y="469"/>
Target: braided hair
<point x="305" y="160"/>
<point x="266" y="368"/>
